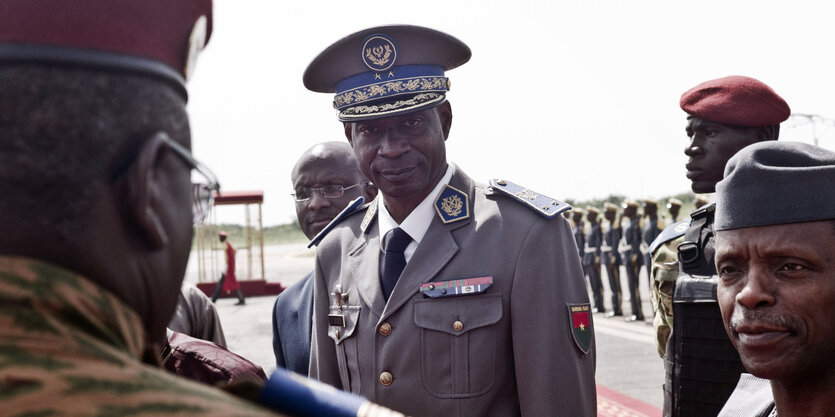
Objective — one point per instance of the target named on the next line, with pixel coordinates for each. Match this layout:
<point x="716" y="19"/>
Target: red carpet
<point x="611" y="403"/>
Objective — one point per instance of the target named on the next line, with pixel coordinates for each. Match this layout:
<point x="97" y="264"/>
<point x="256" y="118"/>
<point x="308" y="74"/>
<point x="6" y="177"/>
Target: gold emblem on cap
<point x="379" y="57"/>
<point x="196" y="42"/>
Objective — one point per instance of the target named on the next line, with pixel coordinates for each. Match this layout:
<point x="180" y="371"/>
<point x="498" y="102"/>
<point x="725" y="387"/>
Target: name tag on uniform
<point x="455" y="287"/>
<point x="336" y="320"/>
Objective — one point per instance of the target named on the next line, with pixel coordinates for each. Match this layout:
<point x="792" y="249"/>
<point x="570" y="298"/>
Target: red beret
<point x="736" y="100"/>
<point x="156" y="37"/>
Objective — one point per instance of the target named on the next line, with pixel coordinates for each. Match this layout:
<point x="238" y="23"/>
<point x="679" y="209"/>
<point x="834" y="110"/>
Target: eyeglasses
<point x="328" y="191"/>
<point x="204" y="190"/>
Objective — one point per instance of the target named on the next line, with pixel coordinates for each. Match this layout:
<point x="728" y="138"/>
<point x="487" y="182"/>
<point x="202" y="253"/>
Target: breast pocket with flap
<point x="458" y="343"/>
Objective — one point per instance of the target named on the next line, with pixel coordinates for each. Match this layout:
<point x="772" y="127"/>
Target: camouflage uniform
<point x="69" y="347"/>
<point x="663" y="280"/>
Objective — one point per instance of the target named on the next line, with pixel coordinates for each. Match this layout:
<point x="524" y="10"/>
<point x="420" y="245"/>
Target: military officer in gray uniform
<point x="630" y="252"/>
<point x="611" y="257"/>
<point x="443" y="296"/>
<point x="591" y="258"/>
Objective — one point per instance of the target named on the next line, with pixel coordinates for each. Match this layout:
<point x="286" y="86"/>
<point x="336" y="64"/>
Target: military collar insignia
<point x="579" y="315"/>
<point x="369" y="215"/>
<point x="452" y="205"/>
<point x="539" y="203"/>
<point x="379" y="52"/>
<point x="352" y="207"/>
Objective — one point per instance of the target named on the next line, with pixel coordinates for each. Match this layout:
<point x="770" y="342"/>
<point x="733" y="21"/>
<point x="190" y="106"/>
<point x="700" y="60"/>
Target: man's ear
<point x="445" y="113"/>
<point x="348" y="127"/>
<point x="142" y="182"/>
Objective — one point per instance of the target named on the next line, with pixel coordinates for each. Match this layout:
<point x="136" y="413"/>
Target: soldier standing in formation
<point x="630" y="252"/>
<point x="611" y="257"/>
<point x="649" y="231"/>
<point x="591" y="258"/>
<point x="578" y="230"/>
<point x="673" y="206"/>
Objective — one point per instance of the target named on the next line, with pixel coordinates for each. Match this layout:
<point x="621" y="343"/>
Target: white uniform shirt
<point x="417" y="222"/>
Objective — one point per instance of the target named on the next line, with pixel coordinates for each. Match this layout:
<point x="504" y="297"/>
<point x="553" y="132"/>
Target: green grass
<point x="273" y="235"/>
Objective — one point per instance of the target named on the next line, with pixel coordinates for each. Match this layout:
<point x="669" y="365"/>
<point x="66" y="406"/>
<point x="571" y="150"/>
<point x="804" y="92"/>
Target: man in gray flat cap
<point x="775" y="254"/>
<point x="443" y="296"/>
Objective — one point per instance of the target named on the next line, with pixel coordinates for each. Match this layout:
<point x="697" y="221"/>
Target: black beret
<point x="772" y="182"/>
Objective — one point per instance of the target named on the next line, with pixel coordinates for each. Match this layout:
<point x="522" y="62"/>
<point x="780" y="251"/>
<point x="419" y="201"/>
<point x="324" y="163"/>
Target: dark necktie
<point x="393" y="260"/>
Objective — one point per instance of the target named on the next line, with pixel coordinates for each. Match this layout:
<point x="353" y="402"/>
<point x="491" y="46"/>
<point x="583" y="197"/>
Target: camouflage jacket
<point x="70" y="348"/>
<point x="664" y="274"/>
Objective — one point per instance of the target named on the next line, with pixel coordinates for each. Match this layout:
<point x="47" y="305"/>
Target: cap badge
<point x="451" y="205"/>
<point x="378" y="52"/>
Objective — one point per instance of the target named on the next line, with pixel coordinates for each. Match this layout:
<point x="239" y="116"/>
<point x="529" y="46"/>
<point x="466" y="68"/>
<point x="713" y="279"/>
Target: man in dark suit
<point x="443" y="296"/>
<point x="325" y="179"/>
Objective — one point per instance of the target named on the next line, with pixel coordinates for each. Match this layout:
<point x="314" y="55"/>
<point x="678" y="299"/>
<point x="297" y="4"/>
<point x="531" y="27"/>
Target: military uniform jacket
<point x="593" y="241"/>
<point x="506" y="351"/>
<point x="70" y="348"/>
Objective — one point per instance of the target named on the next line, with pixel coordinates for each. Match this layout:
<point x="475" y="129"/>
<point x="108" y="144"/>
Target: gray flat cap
<point x="772" y="182"/>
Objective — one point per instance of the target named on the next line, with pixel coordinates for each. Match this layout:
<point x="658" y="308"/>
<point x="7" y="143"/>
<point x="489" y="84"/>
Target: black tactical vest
<point x="701" y="365"/>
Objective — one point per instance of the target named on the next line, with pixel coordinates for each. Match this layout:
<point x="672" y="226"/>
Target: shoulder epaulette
<point x="539" y="203"/>
<point x="352" y="207"/>
<point x="671" y="232"/>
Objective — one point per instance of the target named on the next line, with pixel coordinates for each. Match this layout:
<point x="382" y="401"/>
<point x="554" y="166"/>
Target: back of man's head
<point x="64" y="135"/>
<point x="94" y="161"/>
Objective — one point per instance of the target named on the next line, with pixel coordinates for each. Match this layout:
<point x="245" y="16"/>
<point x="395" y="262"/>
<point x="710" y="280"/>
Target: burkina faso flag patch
<point x="579" y="315"/>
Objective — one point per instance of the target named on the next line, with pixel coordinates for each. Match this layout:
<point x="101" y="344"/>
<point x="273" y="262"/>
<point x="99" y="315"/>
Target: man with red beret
<point x="98" y="205"/>
<point x="724" y="116"/>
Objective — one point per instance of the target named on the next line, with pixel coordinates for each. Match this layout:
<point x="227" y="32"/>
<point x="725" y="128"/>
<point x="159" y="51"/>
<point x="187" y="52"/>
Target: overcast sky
<point x="575" y="100"/>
